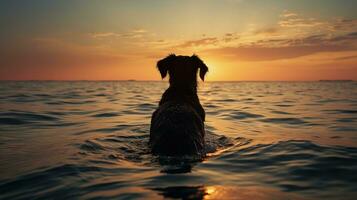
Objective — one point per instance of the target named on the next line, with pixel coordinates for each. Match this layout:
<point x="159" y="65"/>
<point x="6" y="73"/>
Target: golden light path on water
<point x="244" y="193"/>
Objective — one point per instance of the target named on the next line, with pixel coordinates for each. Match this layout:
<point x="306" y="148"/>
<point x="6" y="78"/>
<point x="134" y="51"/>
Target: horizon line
<point x="134" y="80"/>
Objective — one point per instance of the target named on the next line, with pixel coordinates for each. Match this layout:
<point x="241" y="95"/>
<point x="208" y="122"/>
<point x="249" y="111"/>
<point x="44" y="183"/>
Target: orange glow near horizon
<point x="239" y="40"/>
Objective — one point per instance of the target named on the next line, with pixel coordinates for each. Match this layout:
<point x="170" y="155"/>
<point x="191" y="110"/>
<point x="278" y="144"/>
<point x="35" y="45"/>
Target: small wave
<point x="248" y="99"/>
<point x="107" y="114"/>
<point x="100" y="95"/>
<point x="284" y="105"/>
<point x="334" y="101"/>
<point x="341" y="111"/>
<point x="226" y="100"/>
<point x="211" y="106"/>
<point x="281" y="112"/>
<point x="76" y="102"/>
<point x="243" y="115"/>
<point x="12" y="121"/>
<point x="344" y="128"/>
<point x="145" y="107"/>
<point x="43" y="95"/>
<point x="20" y="96"/>
<point x="91" y="146"/>
<point x="347" y="120"/>
<point x="289" y="121"/>
<point x="106" y="130"/>
<point x="56" y="113"/>
<point x="72" y="95"/>
<point x="17" y="118"/>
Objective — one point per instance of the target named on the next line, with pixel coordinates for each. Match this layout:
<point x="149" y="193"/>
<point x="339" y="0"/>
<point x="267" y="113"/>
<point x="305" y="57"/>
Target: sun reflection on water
<point x="246" y="192"/>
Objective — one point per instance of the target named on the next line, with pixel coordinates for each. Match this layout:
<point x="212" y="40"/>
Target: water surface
<point x="267" y="140"/>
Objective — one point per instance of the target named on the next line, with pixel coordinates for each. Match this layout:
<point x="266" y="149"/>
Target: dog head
<point x="182" y="69"/>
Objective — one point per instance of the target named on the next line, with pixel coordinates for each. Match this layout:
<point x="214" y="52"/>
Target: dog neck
<point x="183" y="88"/>
<point x="183" y="94"/>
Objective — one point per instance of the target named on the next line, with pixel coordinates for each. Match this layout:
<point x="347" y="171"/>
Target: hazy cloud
<point x="199" y="42"/>
<point x="139" y="31"/>
<point x="346" y="57"/>
<point x="275" y="49"/>
<point x="105" y="35"/>
<point x="267" y="31"/>
<point x="275" y="53"/>
<point x="287" y="14"/>
<point x="350" y="37"/>
<point x="136" y="33"/>
<point x="293" y="20"/>
<point x="344" y="24"/>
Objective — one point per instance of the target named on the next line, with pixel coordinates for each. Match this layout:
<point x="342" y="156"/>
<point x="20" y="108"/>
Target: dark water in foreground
<point x="88" y="140"/>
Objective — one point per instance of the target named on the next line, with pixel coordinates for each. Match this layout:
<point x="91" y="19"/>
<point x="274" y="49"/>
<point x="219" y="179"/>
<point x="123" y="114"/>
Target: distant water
<point x="266" y="140"/>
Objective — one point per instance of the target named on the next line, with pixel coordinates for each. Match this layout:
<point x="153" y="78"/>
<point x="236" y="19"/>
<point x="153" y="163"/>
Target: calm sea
<point x="267" y="140"/>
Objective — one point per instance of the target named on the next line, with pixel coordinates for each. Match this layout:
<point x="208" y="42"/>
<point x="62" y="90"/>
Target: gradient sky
<point x="123" y="39"/>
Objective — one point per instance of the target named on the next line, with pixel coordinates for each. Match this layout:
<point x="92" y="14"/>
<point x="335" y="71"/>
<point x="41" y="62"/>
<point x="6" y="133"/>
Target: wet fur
<point x="177" y="125"/>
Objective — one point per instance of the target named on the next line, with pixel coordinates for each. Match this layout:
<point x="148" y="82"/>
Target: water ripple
<point x="18" y="117"/>
<point x="289" y="121"/>
<point x="243" y="115"/>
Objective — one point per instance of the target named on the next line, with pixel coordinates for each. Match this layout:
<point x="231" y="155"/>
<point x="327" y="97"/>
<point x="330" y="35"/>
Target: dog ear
<point x="163" y="65"/>
<point x="201" y="65"/>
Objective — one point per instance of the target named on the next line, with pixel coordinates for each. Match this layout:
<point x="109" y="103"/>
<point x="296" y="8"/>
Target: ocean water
<point x="266" y="140"/>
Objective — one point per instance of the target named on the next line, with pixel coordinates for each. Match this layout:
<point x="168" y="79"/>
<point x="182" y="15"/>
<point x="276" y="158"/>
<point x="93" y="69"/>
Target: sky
<point x="239" y="40"/>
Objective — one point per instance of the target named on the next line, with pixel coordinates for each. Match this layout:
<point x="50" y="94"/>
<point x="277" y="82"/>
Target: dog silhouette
<point x="177" y="125"/>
